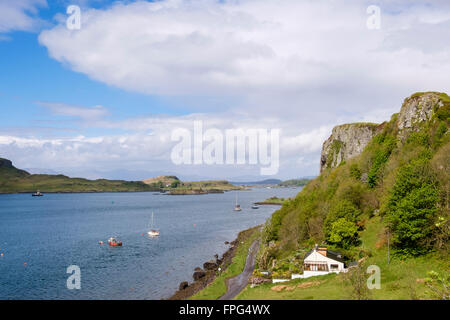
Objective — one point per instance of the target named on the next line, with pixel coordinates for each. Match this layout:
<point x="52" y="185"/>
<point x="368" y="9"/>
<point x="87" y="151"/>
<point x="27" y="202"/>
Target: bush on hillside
<point x="412" y="209"/>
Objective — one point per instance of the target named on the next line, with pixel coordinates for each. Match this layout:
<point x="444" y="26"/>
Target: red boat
<point x="114" y="243"/>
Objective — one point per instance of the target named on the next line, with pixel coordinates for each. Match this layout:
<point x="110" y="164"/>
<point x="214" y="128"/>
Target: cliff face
<point x="349" y="140"/>
<point x="346" y="141"/>
<point x="5" y="163"/>
<point x="7" y="171"/>
<point x="418" y="108"/>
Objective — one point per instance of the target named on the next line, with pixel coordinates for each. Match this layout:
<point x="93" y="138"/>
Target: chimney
<point x="322" y="251"/>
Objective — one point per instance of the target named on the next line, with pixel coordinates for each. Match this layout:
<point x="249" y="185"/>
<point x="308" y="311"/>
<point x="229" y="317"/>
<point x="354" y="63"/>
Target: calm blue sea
<point x="41" y="236"/>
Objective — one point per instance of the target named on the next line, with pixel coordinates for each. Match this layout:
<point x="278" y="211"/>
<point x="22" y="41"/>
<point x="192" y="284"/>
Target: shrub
<point x="343" y="234"/>
<point x="383" y="145"/>
<point x="439" y="285"/>
<point x="412" y="209"/>
<point x="355" y="172"/>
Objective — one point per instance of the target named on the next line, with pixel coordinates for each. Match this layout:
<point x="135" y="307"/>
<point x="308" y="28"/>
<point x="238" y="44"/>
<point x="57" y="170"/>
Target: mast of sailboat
<point x="152" y="221"/>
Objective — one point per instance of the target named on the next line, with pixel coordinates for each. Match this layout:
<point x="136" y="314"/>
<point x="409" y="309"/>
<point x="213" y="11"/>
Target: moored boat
<point x="37" y="194"/>
<point x="114" y="243"/>
<point x="153" y="233"/>
<point x="237" y="207"/>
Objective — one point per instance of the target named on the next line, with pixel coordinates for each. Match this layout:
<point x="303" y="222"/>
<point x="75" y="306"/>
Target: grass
<point x="331" y="287"/>
<point x="400" y="280"/>
<point x="218" y="287"/>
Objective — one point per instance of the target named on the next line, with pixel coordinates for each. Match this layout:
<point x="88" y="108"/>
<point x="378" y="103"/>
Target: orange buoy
<point x="24" y="263"/>
<point x="1" y="254"/>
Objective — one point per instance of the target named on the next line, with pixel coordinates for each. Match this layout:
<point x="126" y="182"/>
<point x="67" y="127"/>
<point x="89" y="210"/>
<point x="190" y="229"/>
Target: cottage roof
<point x="334" y="255"/>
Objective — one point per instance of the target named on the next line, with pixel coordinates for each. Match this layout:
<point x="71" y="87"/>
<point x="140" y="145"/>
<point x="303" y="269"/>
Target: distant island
<point x="272" y="201"/>
<point x="175" y="186"/>
<point x="295" y="182"/>
<point x="276" y="183"/>
<point x="14" y="180"/>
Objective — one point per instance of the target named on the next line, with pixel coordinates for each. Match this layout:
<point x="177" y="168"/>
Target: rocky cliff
<point x="346" y="141"/>
<point x="418" y="108"/>
<point x="5" y="163"/>
<point x="349" y="140"/>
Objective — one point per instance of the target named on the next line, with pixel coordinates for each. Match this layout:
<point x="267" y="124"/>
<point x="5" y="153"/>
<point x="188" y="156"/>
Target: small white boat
<point x="237" y="206"/>
<point x="153" y="232"/>
<point x="255" y="206"/>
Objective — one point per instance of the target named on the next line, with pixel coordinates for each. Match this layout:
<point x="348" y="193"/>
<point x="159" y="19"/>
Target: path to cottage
<point x="239" y="282"/>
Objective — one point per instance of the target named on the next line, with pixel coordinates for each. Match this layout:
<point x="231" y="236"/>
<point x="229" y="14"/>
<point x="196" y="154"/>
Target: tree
<point x="343" y="209"/>
<point x="357" y="278"/>
<point x="343" y="233"/>
<point x="412" y="208"/>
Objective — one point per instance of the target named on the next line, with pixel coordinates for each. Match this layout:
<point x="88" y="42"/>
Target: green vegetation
<point x="175" y="186"/>
<point x="439" y="284"/>
<point x="273" y="200"/>
<point x="335" y="149"/>
<point x="400" y="279"/>
<point x="218" y="287"/>
<point x="13" y="180"/>
<point x="343" y="233"/>
<point x="294" y="183"/>
<point x="396" y="191"/>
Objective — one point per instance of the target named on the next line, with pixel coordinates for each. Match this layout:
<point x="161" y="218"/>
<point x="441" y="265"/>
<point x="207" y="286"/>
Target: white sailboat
<point x="237" y="206"/>
<point x="153" y="232"/>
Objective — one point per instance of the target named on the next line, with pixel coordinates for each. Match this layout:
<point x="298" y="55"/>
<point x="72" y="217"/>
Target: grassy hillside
<point x="398" y="189"/>
<point x="13" y="180"/>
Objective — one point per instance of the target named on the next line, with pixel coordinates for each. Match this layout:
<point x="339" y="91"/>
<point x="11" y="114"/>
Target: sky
<point x="103" y="101"/>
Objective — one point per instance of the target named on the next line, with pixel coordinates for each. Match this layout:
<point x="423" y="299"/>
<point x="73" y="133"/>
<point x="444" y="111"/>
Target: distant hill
<point x="262" y="182"/>
<point x="8" y="171"/>
<point x="176" y="186"/>
<point x="13" y="180"/>
<point x="162" y="181"/>
<point x="295" y="182"/>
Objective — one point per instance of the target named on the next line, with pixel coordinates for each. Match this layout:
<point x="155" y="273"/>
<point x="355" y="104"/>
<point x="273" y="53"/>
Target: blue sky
<point x="29" y="76"/>
<point x="102" y="101"/>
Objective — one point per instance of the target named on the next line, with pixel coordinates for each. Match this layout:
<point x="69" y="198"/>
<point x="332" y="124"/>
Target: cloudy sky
<point x="103" y="100"/>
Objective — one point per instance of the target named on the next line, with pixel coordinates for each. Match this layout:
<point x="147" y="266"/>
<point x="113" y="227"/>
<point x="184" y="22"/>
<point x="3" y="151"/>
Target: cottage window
<point x="334" y="266"/>
<point x="311" y="266"/>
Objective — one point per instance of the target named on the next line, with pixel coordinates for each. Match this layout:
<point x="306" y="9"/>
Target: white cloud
<point x="19" y="14"/>
<point x="302" y="66"/>
<point x="253" y="47"/>
<point x="140" y="150"/>
<point x="83" y="113"/>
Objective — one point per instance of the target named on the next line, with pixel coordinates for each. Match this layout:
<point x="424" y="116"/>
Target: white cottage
<point x="320" y="261"/>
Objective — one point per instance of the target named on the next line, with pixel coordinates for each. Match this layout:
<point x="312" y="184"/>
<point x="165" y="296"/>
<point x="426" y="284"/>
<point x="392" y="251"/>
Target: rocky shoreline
<point x="202" y="277"/>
